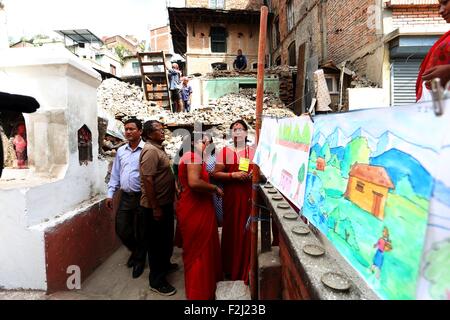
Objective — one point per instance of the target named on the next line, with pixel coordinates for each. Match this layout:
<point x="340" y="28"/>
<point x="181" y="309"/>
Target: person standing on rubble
<point x="197" y="222"/>
<point x="240" y="63"/>
<point x="125" y="177"/>
<point x="158" y="195"/>
<point x="186" y="94"/>
<point x="234" y="168"/>
<point x="175" y="87"/>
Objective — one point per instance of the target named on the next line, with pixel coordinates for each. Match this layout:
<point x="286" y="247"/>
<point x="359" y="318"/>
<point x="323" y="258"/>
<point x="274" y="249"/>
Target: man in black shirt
<point x="240" y="63"/>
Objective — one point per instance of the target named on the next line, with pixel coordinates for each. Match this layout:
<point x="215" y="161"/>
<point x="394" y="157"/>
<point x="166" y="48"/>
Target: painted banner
<point x="434" y="281"/>
<point x="282" y="154"/>
<point x="369" y="185"/>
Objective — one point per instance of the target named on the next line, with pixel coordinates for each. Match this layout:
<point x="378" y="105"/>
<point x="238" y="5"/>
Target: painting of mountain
<point x="371" y="141"/>
<point x="369" y="184"/>
<point x="400" y="164"/>
<point x="336" y="139"/>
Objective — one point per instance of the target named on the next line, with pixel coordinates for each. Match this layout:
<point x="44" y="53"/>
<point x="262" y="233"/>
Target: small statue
<point x="20" y="146"/>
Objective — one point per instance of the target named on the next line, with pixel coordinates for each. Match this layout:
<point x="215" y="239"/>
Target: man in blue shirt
<point x="186" y="93"/>
<point x="174" y="87"/>
<point x="125" y="176"/>
<point x="240" y="63"/>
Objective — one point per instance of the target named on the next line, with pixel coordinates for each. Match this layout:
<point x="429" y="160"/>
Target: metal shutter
<point x="404" y="76"/>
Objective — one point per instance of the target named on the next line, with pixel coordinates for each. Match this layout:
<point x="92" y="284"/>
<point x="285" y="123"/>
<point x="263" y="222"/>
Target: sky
<point x="102" y="17"/>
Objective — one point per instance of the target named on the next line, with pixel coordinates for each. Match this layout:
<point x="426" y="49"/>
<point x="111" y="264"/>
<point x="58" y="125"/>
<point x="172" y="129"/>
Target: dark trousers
<point x="128" y="224"/>
<point x="159" y="235"/>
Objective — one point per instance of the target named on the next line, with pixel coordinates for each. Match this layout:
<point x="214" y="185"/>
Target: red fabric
<point x="439" y="54"/>
<point x="198" y="229"/>
<point x="237" y="206"/>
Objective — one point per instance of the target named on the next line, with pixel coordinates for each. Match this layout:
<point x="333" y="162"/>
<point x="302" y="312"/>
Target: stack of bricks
<point x="286" y="87"/>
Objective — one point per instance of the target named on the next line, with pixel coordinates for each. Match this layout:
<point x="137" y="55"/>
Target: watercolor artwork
<point x="282" y="155"/>
<point x="369" y="185"/>
<point x="434" y="280"/>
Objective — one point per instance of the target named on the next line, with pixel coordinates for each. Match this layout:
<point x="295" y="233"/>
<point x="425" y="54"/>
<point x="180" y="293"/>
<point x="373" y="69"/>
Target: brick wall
<point x="306" y="28"/>
<point x="160" y="39"/>
<point x="293" y="287"/>
<point x="348" y="29"/>
<point x="229" y="4"/>
<point x="421" y="15"/>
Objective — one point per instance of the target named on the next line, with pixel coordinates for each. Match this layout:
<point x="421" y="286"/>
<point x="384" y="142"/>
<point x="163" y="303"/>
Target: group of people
<point x="209" y="188"/>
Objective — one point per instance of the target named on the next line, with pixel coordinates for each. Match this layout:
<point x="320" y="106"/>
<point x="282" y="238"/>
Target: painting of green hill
<point x="406" y="221"/>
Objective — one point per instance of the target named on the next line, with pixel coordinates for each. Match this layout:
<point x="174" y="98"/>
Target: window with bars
<point x="290" y="15"/>
<point x="217" y="4"/>
<point x="218" y="39"/>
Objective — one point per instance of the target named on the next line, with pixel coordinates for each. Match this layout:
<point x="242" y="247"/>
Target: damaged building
<point x="373" y="48"/>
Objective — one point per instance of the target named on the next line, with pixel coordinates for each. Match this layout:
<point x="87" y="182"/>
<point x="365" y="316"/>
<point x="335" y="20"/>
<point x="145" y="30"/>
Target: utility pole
<point x="256" y="174"/>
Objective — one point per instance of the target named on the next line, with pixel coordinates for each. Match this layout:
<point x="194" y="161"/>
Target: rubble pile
<point x="362" y="82"/>
<point x="123" y="100"/>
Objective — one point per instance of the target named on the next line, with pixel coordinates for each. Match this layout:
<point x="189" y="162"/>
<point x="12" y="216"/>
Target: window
<point x="136" y="68"/>
<point x="292" y="57"/>
<point x="219" y="66"/>
<point x="217" y="4"/>
<point x="276" y="33"/>
<point x="112" y="69"/>
<point x="218" y="39"/>
<point x="332" y="83"/>
<point x="360" y="186"/>
<point x="290" y="15"/>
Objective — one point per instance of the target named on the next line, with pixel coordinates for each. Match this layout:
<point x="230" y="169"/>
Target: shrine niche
<point x="84" y="145"/>
<point x="13" y="134"/>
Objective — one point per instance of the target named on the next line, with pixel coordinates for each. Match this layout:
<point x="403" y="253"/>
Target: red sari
<point x="439" y="54"/>
<point x="198" y="228"/>
<point x="237" y="206"/>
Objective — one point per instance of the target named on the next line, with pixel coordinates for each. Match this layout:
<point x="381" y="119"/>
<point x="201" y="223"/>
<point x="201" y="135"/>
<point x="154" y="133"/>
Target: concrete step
<point x="232" y="290"/>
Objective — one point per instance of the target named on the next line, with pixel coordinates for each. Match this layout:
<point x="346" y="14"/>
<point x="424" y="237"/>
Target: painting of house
<point x="368" y="188"/>
<point x="286" y="180"/>
<point x="320" y="164"/>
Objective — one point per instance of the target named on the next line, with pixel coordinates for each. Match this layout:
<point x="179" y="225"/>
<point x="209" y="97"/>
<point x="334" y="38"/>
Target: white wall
<point x="364" y="98"/>
<point x="56" y="183"/>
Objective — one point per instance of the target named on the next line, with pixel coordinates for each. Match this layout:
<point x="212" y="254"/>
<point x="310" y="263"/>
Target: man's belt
<point x="132" y="194"/>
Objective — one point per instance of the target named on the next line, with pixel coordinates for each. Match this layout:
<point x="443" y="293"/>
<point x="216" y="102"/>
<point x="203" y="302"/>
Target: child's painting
<point x="369" y="184"/>
<point x="434" y="281"/>
<point x="283" y="152"/>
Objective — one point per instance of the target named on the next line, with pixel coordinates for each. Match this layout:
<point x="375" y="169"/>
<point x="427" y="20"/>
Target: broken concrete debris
<point x="123" y="100"/>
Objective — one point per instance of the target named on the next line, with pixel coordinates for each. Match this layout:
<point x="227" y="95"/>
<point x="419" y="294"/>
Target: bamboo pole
<point x="256" y="174"/>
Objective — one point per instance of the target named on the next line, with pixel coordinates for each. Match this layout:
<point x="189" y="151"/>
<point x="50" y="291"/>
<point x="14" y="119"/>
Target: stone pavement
<point x="111" y="281"/>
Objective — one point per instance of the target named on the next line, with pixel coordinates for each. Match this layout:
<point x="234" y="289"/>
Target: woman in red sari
<point x="437" y="62"/>
<point x="197" y="223"/>
<point x="234" y="169"/>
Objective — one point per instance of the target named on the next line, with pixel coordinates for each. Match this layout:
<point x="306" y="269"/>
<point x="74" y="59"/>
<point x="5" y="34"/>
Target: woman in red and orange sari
<point x="234" y="168"/>
<point x="437" y="62"/>
<point x="197" y="223"/>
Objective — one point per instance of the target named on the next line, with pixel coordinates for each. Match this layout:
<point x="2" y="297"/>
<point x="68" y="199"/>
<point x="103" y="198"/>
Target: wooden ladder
<point x="154" y="78"/>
